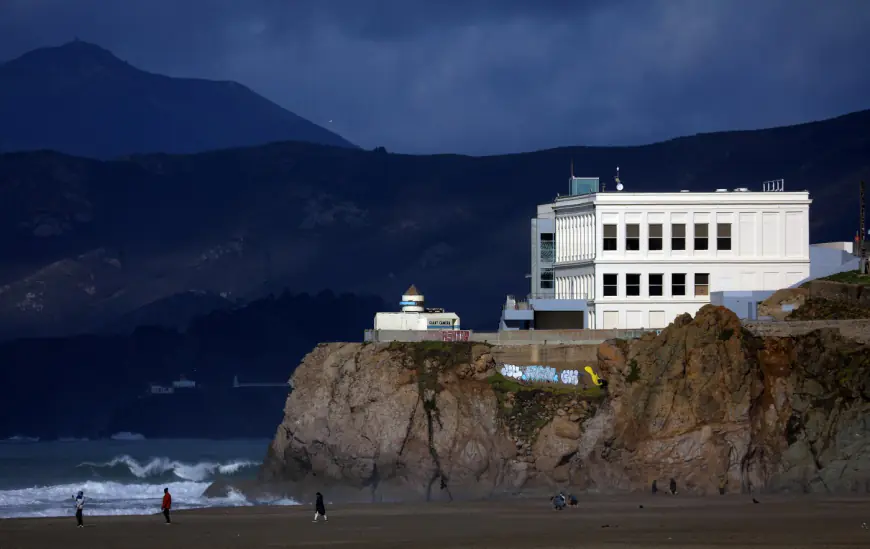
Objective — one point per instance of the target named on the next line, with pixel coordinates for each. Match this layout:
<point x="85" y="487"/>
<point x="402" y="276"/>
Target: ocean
<point x="124" y="475"/>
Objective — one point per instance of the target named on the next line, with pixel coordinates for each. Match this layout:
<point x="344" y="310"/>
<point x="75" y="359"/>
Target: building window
<point x="678" y="284"/>
<point x="655" y="237"/>
<point x="723" y="236"/>
<point x="547" y="279"/>
<point x="548" y="247"/>
<point x="656" y="284"/>
<point x="610" y="285"/>
<point x="678" y="236"/>
<point x="632" y="284"/>
<point x="702" y="284"/>
<point x="632" y="237"/>
<point x="701" y="236"/>
<point x="610" y="238"/>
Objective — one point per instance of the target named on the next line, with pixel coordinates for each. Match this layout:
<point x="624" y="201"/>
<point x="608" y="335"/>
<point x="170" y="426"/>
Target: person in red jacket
<point x="167" y="505"/>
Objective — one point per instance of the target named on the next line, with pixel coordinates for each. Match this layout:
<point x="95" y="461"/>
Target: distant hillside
<point x="82" y="100"/>
<point x="83" y="242"/>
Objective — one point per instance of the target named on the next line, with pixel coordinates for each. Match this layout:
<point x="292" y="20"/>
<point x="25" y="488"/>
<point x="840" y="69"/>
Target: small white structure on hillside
<point x="415" y="315"/>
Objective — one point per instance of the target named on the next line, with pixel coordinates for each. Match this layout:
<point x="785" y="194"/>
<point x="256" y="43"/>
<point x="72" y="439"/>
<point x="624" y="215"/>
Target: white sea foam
<point x="124" y="435"/>
<point x="187" y="471"/>
<point x="109" y="498"/>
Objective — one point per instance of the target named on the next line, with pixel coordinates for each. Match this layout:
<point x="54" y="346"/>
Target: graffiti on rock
<point x="596" y="380"/>
<point x="539" y="374"/>
<point x="570" y="377"/>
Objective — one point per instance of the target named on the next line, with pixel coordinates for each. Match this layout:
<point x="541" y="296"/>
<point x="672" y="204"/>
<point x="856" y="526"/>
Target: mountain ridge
<point x="81" y="99"/>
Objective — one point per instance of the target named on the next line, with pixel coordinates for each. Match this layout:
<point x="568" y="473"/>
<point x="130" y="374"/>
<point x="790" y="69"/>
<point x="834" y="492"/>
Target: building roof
<point x="411" y="291"/>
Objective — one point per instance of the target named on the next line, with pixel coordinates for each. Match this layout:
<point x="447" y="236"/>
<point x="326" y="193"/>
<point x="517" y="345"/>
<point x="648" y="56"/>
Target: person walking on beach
<point x="166" y="505"/>
<point x="319" y="508"/>
<point x="80" y="506"/>
<point x="673" y="487"/>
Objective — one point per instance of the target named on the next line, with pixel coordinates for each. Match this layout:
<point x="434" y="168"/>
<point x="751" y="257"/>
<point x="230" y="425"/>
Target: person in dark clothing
<point x="166" y="505"/>
<point x="655" y="488"/>
<point x="723" y="484"/>
<point x="673" y="487"/>
<point x="319" y="508"/>
<point x="80" y="506"/>
<point x="572" y="500"/>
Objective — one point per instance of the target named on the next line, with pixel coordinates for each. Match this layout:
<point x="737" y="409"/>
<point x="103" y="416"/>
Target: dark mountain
<point x="80" y="99"/>
<point x="95" y="385"/>
<point x="83" y="242"/>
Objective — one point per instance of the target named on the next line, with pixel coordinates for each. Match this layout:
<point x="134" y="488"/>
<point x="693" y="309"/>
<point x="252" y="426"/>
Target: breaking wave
<point x="156" y="468"/>
<point x="114" y="498"/>
<point x="19" y="438"/>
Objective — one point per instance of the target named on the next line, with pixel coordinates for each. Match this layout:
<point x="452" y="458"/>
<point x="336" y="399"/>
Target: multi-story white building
<point x="629" y="260"/>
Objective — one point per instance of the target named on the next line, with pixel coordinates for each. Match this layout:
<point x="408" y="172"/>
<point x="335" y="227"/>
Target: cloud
<point x="491" y="76"/>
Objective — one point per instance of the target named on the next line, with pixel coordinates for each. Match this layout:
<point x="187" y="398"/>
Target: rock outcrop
<point x="705" y="402"/>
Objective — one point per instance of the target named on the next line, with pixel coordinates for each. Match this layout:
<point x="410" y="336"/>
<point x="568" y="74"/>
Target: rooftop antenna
<point x="619" y="185"/>
<point x="572" y="168"/>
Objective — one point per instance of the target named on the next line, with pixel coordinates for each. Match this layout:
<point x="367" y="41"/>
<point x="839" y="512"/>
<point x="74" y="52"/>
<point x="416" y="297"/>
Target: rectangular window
<point x="678" y="284"/>
<point x="678" y="236"/>
<point x="632" y="284"/>
<point x="548" y="247"/>
<point x="656" y="284"/>
<point x="701" y="236"/>
<point x="610" y="238"/>
<point x="610" y="285"/>
<point x="655" y="237"/>
<point x="632" y="237"/>
<point x="723" y="236"/>
<point x="547" y="279"/>
<point x="702" y="284"/>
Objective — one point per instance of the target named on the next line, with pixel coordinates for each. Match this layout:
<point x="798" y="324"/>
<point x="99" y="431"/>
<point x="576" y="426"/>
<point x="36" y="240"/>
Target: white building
<point x="628" y="260"/>
<point x="415" y="316"/>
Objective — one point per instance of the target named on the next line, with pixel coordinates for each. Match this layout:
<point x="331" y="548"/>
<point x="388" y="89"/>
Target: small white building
<point x="415" y="316"/>
<point x="626" y="260"/>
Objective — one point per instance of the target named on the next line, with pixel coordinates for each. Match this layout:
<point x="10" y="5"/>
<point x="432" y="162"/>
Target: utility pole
<point x="864" y="267"/>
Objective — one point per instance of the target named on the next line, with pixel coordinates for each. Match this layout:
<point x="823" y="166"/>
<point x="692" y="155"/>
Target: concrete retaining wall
<point x="510" y="337"/>
<point x="551" y="339"/>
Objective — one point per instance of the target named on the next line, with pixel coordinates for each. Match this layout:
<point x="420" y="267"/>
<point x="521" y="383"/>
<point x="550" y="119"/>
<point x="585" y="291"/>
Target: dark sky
<point x="492" y="76"/>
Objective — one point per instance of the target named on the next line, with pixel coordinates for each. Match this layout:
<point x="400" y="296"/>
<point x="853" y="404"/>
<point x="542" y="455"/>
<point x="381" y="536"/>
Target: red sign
<point x="455" y="335"/>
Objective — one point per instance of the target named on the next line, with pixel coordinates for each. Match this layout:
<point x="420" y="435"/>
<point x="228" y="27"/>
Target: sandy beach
<point x="618" y="522"/>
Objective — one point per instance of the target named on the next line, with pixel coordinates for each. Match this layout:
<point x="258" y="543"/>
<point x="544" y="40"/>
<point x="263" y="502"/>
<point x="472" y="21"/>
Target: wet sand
<point x="614" y="523"/>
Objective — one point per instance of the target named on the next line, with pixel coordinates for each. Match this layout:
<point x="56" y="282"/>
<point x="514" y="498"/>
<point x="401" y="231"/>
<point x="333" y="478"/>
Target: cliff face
<point x="705" y="402"/>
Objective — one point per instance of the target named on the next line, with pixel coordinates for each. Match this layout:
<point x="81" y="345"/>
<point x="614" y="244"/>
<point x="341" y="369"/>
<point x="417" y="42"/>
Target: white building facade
<point x="416" y="316"/>
<point x="639" y="260"/>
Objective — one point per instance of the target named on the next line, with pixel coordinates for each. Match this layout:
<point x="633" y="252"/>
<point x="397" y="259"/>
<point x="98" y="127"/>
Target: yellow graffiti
<point x="595" y="379"/>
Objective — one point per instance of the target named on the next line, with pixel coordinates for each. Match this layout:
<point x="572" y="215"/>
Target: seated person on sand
<point x="558" y="501"/>
<point x="572" y="500"/>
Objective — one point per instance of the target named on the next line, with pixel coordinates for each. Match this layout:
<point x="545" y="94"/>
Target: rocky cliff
<point x="705" y="402"/>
